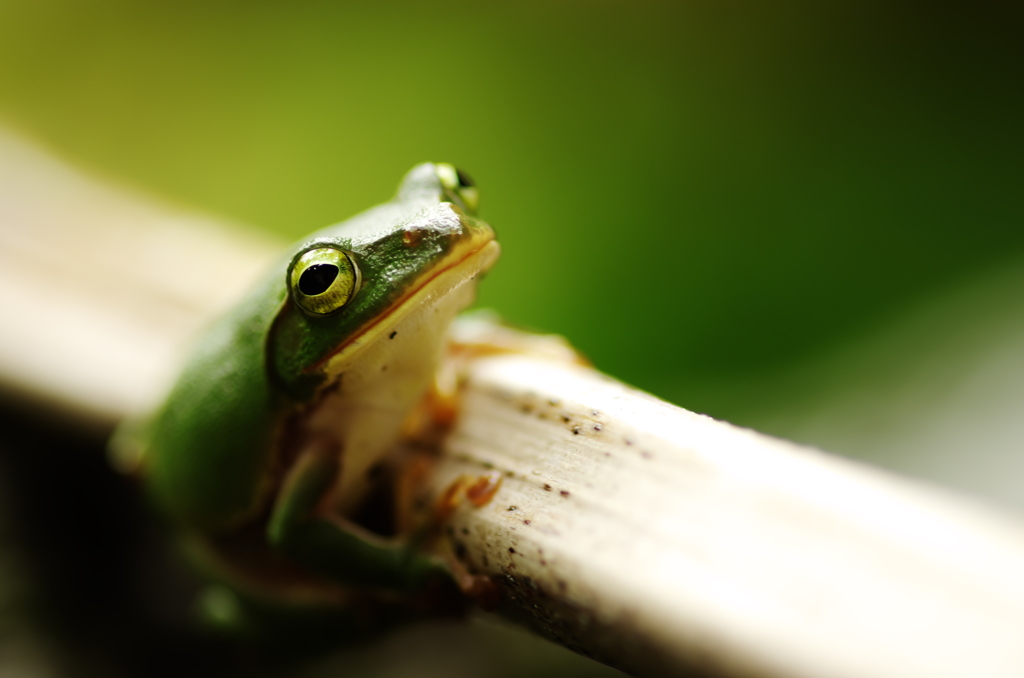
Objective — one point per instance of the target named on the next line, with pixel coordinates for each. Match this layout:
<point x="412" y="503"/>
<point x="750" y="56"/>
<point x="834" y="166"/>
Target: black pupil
<point x="317" y="278"/>
<point x="464" y="179"/>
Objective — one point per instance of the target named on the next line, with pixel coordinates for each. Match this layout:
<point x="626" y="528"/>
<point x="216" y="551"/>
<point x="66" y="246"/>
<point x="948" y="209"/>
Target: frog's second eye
<point x="458" y="187"/>
<point x="323" y="280"/>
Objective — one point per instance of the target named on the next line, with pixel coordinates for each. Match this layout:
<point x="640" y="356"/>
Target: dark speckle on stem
<point x="575" y="430"/>
<point x="564" y="493"/>
<point x="547" y="488"/>
<point x="392" y="335"/>
<point x="511" y="550"/>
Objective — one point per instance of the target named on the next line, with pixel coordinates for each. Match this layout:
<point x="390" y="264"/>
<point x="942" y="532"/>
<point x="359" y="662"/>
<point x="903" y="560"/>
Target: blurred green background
<point x="686" y="190"/>
<point x="804" y="217"/>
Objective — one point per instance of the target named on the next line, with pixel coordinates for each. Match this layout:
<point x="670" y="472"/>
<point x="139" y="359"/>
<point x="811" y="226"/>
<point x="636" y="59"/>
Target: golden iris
<point x="323" y="280"/>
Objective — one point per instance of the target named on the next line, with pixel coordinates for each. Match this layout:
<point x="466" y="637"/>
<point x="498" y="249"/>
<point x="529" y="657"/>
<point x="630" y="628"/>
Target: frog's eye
<point x="459" y="187"/>
<point x="323" y="280"/>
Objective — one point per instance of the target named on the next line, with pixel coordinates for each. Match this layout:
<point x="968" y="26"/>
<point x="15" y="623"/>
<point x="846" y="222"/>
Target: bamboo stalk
<point x="657" y="540"/>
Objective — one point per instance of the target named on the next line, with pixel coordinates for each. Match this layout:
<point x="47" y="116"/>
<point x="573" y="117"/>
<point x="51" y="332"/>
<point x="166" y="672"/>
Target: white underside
<point x="384" y="378"/>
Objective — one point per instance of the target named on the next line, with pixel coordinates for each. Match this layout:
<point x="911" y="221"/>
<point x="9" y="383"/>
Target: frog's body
<point x="263" y="447"/>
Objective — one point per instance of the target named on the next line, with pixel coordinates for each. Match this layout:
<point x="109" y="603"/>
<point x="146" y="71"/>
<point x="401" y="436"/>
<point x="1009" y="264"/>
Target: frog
<point x="266" y="445"/>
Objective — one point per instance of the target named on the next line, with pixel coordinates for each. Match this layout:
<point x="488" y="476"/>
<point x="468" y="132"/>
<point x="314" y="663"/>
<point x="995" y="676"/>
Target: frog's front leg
<point x="304" y="527"/>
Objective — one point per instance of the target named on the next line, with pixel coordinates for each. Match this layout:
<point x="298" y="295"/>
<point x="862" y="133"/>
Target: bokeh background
<point x="797" y="216"/>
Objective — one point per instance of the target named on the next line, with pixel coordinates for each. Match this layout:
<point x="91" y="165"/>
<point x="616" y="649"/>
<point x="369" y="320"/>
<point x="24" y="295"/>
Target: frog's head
<point x="350" y="284"/>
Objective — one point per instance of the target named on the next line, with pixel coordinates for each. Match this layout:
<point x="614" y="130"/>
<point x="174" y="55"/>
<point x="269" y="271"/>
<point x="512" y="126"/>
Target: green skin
<point x="225" y="455"/>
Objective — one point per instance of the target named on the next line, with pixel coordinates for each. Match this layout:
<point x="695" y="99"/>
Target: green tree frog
<point x="262" y="450"/>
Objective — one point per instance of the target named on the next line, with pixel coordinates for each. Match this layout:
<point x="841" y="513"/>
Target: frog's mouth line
<point x="441" y="283"/>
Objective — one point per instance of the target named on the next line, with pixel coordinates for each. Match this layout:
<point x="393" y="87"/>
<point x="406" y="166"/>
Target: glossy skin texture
<point x="280" y="412"/>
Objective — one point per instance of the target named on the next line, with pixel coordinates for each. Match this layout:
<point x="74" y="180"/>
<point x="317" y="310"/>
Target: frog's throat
<point x="440" y="284"/>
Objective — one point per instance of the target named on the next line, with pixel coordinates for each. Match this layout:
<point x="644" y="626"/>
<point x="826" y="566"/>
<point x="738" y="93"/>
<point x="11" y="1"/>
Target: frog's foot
<point x="423" y="522"/>
<point x="481" y="333"/>
<point x="478" y="491"/>
<point x="471" y="337"/>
